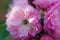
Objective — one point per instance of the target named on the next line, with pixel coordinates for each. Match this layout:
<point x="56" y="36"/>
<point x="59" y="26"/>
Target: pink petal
<point x="46" y="37"/>
<point x="52" y="21"/>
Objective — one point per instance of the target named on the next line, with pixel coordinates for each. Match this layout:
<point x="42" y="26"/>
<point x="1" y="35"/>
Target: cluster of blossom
<point x="39" y="22"/>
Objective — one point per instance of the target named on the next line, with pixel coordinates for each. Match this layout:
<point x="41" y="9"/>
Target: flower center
<point x="25" y="22"/>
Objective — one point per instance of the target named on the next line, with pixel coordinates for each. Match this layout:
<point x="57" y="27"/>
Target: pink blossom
<point x="22" y="22"/>
<point x="46" y="37"/>
<point x="45" y="3"/>
<point x="52" y="21"/>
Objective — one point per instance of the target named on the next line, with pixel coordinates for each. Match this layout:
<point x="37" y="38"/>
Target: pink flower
<point x="52" y="21"/>
<point x="46" y="37"/>
<point x="45" y="3"/>
<point x="22" y="22"/>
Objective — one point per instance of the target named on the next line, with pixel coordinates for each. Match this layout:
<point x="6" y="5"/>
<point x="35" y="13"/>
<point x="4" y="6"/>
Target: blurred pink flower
<point x="23" y="21"/>
<point x="45" y="3"/>
<point x="46" y="37"/>
<point x="52" y="21"/>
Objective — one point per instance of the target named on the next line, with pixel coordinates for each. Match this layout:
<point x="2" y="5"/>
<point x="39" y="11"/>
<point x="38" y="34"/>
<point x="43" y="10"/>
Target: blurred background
<point x="3" y="8"/>
<point x="4" y="35"/>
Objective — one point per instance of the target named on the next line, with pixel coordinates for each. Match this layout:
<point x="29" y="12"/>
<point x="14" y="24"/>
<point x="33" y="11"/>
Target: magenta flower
<point x="22" y="22"/>
<point x="52" y="21"/>
<point x="45" y="3"/>
<point x="46" y="37"/>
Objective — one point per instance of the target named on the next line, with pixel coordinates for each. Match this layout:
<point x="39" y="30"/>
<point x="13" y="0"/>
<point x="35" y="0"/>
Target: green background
<point x="3" y="8"/>
<point x="4" y="35"/>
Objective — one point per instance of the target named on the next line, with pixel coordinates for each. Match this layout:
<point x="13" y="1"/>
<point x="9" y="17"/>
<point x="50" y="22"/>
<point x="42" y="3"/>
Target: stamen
<point x="25" y="22"/>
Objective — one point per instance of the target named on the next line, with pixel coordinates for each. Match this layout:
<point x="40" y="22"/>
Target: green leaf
<point x="3" y="32"/>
